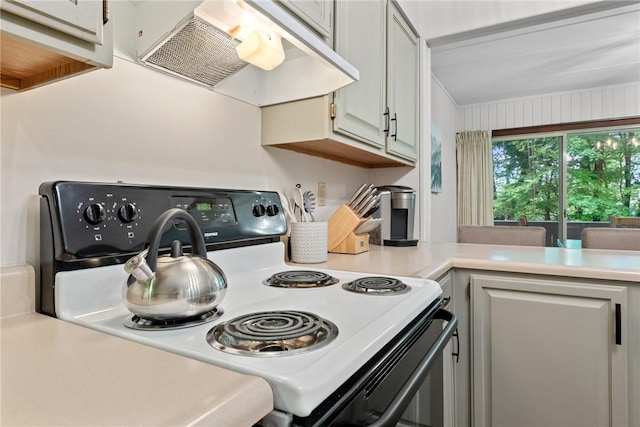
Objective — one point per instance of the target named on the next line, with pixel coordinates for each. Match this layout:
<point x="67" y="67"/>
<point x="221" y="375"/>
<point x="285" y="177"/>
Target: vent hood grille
<point x="191" y="39"/>
<point x="200" y="52"/>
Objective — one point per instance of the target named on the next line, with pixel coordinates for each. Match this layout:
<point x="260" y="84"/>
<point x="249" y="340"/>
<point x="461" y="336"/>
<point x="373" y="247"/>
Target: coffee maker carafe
<point x="397" y="208"/>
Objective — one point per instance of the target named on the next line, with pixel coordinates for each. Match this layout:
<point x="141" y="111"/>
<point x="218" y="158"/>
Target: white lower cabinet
<point x="548" y="352"/>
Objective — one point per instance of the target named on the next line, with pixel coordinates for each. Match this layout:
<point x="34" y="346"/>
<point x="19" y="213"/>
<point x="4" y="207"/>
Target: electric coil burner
<point x="377" y="286"/>
<point x="300" y="279"/>
<point x="272" y="333"/>
<point x="141" y="323"/>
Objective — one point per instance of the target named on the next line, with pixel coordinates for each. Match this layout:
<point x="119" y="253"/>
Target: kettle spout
<point x="137" y="266"/>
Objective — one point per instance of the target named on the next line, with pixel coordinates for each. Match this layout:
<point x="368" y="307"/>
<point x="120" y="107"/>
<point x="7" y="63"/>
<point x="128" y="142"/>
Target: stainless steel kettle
<point x="174" y="286"/>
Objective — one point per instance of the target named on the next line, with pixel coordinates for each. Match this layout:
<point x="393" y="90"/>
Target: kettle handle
<point x="197" y="241"/>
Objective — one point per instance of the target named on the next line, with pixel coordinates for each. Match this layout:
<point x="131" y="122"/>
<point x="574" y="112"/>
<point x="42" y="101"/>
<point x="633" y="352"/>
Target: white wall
<point x="136" y="125"/>
<point x="609" y="102"/>
<point x="444" y="205"/>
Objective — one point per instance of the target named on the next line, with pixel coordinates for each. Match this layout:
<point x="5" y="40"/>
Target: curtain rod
<point x="567" y="126"/>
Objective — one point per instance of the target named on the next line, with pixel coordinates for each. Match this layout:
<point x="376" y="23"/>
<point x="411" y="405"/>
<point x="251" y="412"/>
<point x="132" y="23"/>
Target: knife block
<point x="341" y="237"/>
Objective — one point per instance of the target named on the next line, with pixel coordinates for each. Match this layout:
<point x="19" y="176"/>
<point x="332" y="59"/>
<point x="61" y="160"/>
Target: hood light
<point x="262" y="50"/>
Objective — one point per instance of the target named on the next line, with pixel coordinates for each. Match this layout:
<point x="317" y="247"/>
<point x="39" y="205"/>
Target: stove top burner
<point x="300" y="279"/>
<point x="272" y="333"/>
<point x="377" y="286"/>
<point x="141" y="323"/>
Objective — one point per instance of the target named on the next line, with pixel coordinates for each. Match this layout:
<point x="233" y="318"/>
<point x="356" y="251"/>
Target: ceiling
<point x="532" y="58"/>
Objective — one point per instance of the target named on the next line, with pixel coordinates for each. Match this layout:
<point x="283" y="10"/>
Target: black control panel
<point x="88" y="220"/>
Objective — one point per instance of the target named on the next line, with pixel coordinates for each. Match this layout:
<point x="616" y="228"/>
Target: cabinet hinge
<point x="469" y="289"/>
<point x="332" y="110"/>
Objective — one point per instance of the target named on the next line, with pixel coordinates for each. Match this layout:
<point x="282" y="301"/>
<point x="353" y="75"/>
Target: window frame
<point x="563" y="131"/>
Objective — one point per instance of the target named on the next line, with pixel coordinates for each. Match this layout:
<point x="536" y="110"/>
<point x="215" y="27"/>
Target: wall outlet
<point x="322" y="194"/>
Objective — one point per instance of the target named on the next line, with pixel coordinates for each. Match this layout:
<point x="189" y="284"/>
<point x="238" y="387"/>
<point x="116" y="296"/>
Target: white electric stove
<point x="360" y="338"/>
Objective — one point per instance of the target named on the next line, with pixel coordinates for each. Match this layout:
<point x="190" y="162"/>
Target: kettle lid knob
<point x="176" y="249"/>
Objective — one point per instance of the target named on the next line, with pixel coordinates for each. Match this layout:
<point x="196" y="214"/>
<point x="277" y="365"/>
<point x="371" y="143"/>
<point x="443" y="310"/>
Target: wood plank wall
<point x="609" y="102"/>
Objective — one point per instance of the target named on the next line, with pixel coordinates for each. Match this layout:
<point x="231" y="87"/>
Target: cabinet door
<point x="545" y="353"/>
<point x="317" y="14"/>
<point x="402" y="85"/>
<point x="82" y="19"/>
<point x="462" y="306"/>
<point x="449" y="361"/>
<point x="360" y="39"/>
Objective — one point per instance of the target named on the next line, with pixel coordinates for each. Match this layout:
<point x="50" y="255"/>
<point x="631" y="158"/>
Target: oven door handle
<point x="396" y="408"/>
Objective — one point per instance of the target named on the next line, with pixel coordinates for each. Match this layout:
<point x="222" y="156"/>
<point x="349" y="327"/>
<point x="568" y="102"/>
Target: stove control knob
<point x="127" y="213"/>
<point x="272" y="210"/>
<point x="94" y="213"/>
<point x="259" y="210"/>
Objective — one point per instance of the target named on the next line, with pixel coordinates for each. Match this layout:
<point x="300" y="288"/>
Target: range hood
<point x="197" y="41"/>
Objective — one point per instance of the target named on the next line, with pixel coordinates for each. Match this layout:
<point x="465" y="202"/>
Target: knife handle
<point x="356" y="194"/>
<point x="371" y="211"/>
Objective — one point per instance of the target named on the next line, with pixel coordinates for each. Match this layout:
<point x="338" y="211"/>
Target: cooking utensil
<point x="173" y="286"/>
<point x="309" y="201"/>
<point x="359" y="209"/>
<point x="362" y="196"/>
<point x="367" y="203"/>
<point x="356" y="194"/>
<point x="368" y="225"/>
<point x="376" y="205"/>
<point x="298" y="200"/>
<point x="284" y="201"/>
<point x="368" y="206"/>
<point x="371" y="211"/>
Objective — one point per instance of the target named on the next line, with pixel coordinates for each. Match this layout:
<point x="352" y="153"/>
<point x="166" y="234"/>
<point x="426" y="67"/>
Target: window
<point x="525" y="176"/>
<point x="603" y="175"/>
<point x="565" y="181"/>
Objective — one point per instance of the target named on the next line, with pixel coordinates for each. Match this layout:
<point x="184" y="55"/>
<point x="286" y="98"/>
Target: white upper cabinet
<point x="382" y="108"/>
<point x="47" y="41"/>
<point x="402" y="86"/>
<point x="317" y="14"/>
<point x="80" y="18"/>
<point x="360" y="106"/>
<point x="372" y="122"/>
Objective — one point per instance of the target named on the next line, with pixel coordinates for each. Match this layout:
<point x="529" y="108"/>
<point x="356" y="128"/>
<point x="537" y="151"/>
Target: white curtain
<point x="475" y="177"/>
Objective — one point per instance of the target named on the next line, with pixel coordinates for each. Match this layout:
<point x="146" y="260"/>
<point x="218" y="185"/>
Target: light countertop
<point x="55" y="373"/>
<point x="430" y="260"/>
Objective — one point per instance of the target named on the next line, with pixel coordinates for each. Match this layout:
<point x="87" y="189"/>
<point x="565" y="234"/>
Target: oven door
<point x="401" y="385"/>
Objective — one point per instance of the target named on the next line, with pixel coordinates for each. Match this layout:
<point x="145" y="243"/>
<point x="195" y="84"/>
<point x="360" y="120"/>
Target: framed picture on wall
<point x="436" y="159"/>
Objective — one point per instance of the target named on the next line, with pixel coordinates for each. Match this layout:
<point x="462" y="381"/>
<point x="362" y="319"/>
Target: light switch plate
<point x="322" y="194"/>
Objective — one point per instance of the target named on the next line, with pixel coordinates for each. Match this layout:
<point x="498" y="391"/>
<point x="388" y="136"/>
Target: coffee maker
<point x="397" y="208"/>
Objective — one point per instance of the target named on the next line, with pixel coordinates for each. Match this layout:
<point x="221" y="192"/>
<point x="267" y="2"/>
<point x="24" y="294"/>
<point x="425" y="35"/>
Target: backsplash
<point x="134" y="125"/>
